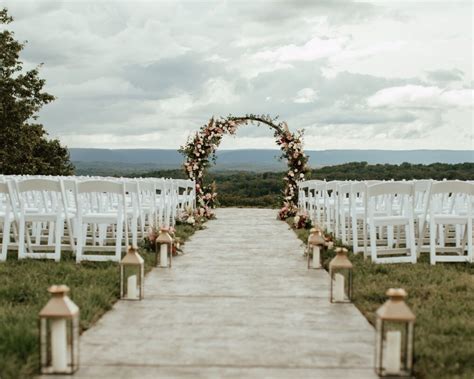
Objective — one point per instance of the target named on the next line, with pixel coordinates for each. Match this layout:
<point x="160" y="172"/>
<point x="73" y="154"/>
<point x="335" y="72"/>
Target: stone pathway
<point x="239" y="304"/>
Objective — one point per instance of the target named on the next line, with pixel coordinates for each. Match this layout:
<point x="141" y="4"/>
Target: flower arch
<point x="200" y="151"/>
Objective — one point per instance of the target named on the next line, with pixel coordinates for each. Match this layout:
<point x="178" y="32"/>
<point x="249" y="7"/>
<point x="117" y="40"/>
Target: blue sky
<point x="146" y="74"/>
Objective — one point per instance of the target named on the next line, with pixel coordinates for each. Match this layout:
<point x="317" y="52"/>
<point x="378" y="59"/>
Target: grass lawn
<point x="441" y="296"/>
<point x="23" y="292"/>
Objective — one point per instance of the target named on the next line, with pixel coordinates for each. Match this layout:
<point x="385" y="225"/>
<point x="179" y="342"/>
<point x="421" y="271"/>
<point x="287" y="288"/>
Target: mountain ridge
<point x="260" y="159"/>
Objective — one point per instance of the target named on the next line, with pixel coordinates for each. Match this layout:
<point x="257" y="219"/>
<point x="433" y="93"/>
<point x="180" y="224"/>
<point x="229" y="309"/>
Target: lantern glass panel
<point x="341" y="285"/>
<point x="315" y="253"/>
<point x="394" y="350"/>
<point x="131" y="277"/>
<point x="59" y="345"/>
<point x="163" y="254"/>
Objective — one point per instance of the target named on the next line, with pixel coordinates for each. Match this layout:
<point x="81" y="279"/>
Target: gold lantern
<point x="316" y="243"/>
<point x="132" y="275"/>
<point x="340" y="272"/>
<point x="59" y="333"/>
<point x="164" y="248"/>
<point x="395" y="324"/>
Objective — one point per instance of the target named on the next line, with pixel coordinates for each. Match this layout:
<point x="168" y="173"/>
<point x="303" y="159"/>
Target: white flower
<point x="191" y="220"/>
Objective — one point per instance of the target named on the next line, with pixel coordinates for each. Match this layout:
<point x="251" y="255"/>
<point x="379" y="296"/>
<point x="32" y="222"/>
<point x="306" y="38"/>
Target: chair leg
<point x="79" y="240"/>
<point x="390" y="236"/>
<point x="373" y="243"/>
<point x="6" y="239"/>
<point x="470" y="254"/>
<point x="21" y="239"/>
<point x="51" y="228"/>
<point x="355" y="235"/>
<point x="411" y="234"/>
<point x="441" y="235"/>
<point x="433" y="231"/>
<point x="134" y="231"/>
<point x="58" y="233"/>
<point x="364" y="232"/>
<point x="118" y="240"/>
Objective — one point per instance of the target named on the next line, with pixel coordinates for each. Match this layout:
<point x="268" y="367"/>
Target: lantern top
<point x="395" y="308"/>
<point x="164" y="237"/>
<point x="340" y="260"/>
<point x="59" y="305"/>
<point x="315" y="238"/>
<point x="132" y="257"/>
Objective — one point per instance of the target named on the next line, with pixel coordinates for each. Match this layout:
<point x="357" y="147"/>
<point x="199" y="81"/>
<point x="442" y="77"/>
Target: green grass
<point x="23" y="292"/>
<point x="441" y="296"/>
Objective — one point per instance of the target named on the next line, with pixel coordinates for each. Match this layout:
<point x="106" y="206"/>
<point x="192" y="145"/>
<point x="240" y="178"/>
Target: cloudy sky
<point x="146" y="74"/>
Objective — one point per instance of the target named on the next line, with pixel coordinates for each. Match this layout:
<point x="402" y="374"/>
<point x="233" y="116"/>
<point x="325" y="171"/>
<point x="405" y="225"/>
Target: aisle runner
<point x="239" y="304"/>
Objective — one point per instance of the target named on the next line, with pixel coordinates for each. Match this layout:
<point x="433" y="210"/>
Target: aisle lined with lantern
<point x="238" y="303"/>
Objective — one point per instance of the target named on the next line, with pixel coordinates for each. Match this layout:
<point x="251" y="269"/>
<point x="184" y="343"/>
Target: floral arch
<point x="200" y="151"/>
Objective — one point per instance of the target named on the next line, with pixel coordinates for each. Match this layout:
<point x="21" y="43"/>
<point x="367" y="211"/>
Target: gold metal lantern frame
<point x="59" y="333"/>
<point x="341" y="277"/>
<point x="164" y="240"/>
<point x="316" y="244"/>
<point x="395" y="323"/>
<point x="132" y="276"/>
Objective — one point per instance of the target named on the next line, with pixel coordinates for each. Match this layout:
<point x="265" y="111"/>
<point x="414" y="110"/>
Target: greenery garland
<point x="200" y="151"/>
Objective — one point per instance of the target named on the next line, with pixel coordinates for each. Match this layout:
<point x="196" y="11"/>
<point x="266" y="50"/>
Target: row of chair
<point x="398" y="219"/>
<point x="86" y="214"/>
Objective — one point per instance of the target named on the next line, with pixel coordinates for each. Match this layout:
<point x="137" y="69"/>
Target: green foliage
<point x="23" y="292"/>
<point x="24" y="148"/>
<point x="442" y="297"/>
<point x="250" y="189"/>
<point x="408" y="171"/>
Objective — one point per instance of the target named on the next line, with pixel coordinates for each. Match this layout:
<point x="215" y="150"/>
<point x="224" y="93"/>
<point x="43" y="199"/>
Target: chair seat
<point x="390" y="220"/>
<point x="449" y="219"/>
<point x="43" y="216"/>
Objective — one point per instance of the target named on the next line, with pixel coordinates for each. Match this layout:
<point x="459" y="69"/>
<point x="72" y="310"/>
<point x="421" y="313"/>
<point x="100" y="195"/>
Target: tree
<point x="24" y="146"/>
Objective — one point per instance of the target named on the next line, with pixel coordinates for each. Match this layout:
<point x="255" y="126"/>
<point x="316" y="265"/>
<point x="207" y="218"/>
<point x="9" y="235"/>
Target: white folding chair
<point x="303" y="196"/>
<point x="148" y="206"/>
<point x="102" y="204"/>
<point x="391" y="205"/>
<point x="343" y="209"/>
<point x="450" y="204"/>
<point x="330" y="200"/>
<point x="133" y="207"/>
<point x="359" y="217"/>
<point x="41" y="204"/>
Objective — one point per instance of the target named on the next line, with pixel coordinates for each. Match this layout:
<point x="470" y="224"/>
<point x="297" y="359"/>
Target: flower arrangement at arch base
<point x="200" y="152"/>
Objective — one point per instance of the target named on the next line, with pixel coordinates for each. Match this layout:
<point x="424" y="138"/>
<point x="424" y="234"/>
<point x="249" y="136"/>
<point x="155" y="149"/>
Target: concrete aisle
<point x="239" y="304"/>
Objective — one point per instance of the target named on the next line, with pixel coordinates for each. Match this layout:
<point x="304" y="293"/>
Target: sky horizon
<point x="354" y="75"/>
<point x="256" y="148"/>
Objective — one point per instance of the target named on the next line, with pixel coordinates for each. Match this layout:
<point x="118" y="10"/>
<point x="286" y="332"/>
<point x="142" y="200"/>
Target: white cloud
<point x="306" y="95"/>
<point x="414" y="96"/>
<point x="314" y="49"/>
<point x="149" y="74"/>
<point x="219" y="91"/>
<point x="98" y="87"/>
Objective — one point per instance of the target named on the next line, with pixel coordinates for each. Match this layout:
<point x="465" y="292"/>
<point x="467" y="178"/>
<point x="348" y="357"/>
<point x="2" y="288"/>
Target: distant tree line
<point x="251" y="189"/>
